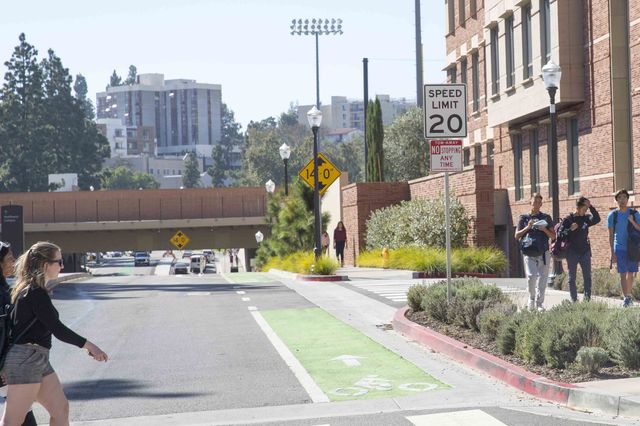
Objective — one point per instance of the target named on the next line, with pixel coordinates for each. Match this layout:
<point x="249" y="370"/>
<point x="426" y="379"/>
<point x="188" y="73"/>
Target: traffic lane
<point x="485" y="416"/>
<point x="174" y="351"/>
<point x="269" y="295"/>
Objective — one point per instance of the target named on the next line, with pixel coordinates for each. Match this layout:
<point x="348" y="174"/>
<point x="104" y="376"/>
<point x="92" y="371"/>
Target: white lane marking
<point x="349" y="360"/>
<point x="245" y="299"/>
<point x="241" y="292"/>
<point x="253" y="308"/>
<point x="456" y="418"/>
<point x="206" y="293"/>
<point x="314" y="391"/>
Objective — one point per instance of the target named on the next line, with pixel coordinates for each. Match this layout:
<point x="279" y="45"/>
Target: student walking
<point x="340" y="241"/>
<point x="576" y="227"/>
<point x="29" y="375"/>
<point x="618" y="223"/>
<point x="533" y="232"/>
<point x="7" y="263"/>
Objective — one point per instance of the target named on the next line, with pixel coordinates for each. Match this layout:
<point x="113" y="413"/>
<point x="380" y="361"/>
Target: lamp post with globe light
<point x="285" y="153"/>
<point x="551" y="74"/>
<point x="315" y="118"/>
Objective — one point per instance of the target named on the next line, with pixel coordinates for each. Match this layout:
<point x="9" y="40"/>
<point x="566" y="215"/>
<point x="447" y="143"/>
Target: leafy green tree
<point x="347" y="156"/>
<point x="292" y="223"/>
<point x="191" y="176"/>
<point x="404" y="144"/>
<point x="375" y="138"/>
<point x="124" y="178"/>
<point x="217" y="170"/>
<point x="80" y="89"/>
<point x="44" y="128"/>
<point x="261" y="156"/>
<point x="132" y="76"/>
<point x="115" y="80"/>
<point x="231" y="136"/>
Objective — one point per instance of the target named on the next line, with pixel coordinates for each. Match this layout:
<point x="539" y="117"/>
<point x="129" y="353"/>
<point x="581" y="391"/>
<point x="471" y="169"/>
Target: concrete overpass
<point x="142" y="220"/>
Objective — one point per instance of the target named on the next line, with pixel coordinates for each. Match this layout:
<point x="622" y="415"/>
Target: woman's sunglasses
<point x="58" y="261"/>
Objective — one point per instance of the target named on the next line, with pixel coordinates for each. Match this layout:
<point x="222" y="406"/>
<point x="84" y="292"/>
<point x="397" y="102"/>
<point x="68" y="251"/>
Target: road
<point x="201" y="350"/>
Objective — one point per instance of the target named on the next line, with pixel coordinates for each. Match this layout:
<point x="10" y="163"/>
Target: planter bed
<point x="322" y="277"/>
<point x="453" y="275"/>
<point x="478" y="341"/>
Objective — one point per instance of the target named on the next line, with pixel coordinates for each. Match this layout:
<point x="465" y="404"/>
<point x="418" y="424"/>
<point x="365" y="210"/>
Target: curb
<point x="567" y="394"/>
<point x="416" y="275"/>
<point x="300" y="277"/>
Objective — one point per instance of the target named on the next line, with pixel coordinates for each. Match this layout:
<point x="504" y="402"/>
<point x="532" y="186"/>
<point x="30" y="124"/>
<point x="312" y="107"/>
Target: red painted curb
<point x="322" y="277"/>
<point x="502" y="370"/>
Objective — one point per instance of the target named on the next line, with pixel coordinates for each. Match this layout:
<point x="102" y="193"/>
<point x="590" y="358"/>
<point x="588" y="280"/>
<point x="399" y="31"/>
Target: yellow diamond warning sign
<point x="179" y="240"/>
<point x="327" y="173"/>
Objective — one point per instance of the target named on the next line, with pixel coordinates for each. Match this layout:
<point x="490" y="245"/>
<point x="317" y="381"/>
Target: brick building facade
<point x="597" y="45"/>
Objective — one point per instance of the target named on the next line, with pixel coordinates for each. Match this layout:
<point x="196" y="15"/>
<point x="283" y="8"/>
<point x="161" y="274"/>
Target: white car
<point x="198" y="264"/>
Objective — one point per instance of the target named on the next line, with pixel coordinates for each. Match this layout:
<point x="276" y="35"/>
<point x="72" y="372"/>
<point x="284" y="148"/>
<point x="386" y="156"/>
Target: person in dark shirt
<point x="576" y="226"/>
<point x="340" y="241"/>
<point x="27" y="370"/>
<point x="7" y="263"/>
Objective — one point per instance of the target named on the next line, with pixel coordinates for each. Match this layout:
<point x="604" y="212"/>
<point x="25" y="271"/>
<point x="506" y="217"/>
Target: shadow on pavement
<point x="86" y="390"/>
<point x="118" y="291"/>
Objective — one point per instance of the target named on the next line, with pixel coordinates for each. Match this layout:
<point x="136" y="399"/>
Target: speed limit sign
<point x="445" y="111"/>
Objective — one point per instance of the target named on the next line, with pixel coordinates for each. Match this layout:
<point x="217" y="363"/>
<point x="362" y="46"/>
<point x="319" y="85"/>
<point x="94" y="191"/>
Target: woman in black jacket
<point x="7" y="262"/>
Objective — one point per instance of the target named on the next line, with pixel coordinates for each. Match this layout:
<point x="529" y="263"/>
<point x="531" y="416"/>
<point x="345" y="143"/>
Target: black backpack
<point x="7" y="322"/>
<point x="535" y="242"/>
<point x="633" y="237"/>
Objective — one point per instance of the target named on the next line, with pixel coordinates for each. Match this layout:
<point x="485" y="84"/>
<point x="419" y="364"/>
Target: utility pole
<point x="419" y="82"/>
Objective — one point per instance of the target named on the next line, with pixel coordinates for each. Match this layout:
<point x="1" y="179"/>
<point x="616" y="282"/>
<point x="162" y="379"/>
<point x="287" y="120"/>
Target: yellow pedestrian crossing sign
<point x="179" y="240"/>
<point x="327" y="173"/>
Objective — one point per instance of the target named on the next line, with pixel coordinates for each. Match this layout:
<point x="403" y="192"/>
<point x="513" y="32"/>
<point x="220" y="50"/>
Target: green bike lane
<point x="342" y="363"/>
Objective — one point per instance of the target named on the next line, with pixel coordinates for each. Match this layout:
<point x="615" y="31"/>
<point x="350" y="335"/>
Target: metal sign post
<point x="445" y="116"/>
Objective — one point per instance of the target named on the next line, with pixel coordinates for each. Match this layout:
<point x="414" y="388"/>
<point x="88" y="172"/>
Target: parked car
<point x="209" y="255"/>
<point x="180" y="268"/>
<point x="141" y="258"/>
<point x="198" y="264"/>
<point x="186" y="254"/>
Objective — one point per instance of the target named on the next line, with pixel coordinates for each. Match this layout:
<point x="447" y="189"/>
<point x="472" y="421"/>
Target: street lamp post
<point x="316" y="27"/>
<point x="270" y="186"/>
<point x="551" y="75"/>
<point x="315" y="118"/>
<point x="285" y="153"/>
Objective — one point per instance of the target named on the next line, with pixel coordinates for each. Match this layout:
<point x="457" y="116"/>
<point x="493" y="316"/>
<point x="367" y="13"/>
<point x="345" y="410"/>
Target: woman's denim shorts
<point x="26" y="364"/>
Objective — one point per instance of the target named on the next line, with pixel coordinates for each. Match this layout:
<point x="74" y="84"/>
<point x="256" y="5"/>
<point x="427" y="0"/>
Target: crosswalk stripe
<point x="456" y="418"/>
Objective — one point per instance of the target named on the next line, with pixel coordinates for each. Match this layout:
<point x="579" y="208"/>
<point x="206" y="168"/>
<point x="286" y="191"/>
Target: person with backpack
<point x="533" y="232"/>
<point x="7" y="262"/>
<point x="621" y="222"/>
<point x="575" y="228"/>
<point x="27" y="369"/>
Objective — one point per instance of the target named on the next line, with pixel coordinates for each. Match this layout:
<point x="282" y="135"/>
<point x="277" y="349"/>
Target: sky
<point x="243" y="45"/>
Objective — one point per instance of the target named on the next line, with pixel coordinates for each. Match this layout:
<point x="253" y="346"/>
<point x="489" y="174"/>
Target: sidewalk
<point x="615" y="397"/>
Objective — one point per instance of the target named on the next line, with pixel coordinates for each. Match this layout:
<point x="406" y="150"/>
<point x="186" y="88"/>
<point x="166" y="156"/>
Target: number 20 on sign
<point x="445" y="111"/>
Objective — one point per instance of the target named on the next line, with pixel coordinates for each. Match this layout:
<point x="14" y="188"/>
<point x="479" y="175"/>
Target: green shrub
<point x="417" y="222"/>
<point x="569" y="327"/>
<point x="603" y="283"/>
<point x="490" y="319"/>
<point x="623" y="337"/>
<point x="506" y="334"/>
<point x="591" y="359"/>
<point x="325" y="266"/>
<point x="529" y="339"/>
<point x="415" y="295"/>
<point x="471" y="299"/>
<point x="482" y="260"/>
<point x="371" y="259"/>
<point x="434" y="301"/>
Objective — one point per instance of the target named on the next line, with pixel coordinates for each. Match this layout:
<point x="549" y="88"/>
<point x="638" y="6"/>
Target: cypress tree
<point x="375" y="138"/>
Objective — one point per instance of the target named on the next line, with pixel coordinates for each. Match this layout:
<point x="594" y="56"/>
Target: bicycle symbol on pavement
<point x="373" y="382"/>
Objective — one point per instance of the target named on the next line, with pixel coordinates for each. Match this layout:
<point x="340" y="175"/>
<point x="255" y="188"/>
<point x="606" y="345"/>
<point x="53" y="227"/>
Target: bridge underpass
<point x="215" y="218"/>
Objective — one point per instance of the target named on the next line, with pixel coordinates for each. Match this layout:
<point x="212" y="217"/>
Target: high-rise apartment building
<point x="344" y="113"/>
<point x="185" y="115"/>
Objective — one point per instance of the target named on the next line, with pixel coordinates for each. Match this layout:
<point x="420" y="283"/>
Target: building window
<point x="477" y="153"/>
<point x="508" y="39"/>
<point x="495" y="62"/>
<point x="516" y="141"/>
<point x="151" y="172"/>
<point x="451" y="21"/>
<point x="475" y="80"/>
<point x="452" y="74"/>
<point x="484" y="72"/>
<point x="473" y="8"/>
<point x="119" y="134"/>
<point x="461" y="13"/>
<point x="145" y="134"/>
<point x="467" y="157"/>
<point x="490" y="153"/>
<point x="545" y="31"/>
<point x="463" y="70"/>
<point x="534" y="160"/>
<point x="527" y="61"/>
<point x="573" y="156"/>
